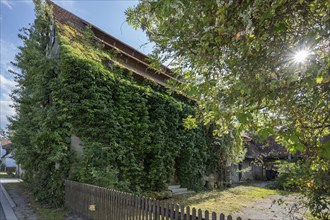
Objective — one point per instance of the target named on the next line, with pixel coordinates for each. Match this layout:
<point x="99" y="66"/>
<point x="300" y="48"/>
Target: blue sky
<point x="15" y="14"/>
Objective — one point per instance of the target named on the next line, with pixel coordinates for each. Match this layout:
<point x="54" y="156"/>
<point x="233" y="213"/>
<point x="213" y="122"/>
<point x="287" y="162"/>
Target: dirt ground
<point x="252" y="200"/>
<point x="274" y="207"/>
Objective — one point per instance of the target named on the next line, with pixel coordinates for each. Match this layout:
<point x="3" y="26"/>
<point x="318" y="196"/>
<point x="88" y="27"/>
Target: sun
<point x="301" y="56"/>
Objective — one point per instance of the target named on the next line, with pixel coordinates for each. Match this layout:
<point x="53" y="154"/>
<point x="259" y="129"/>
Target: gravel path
<point x="274" y="207"/>
<point x="2" y="214"/>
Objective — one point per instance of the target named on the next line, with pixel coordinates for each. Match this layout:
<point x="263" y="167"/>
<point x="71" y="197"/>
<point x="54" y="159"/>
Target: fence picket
<point x="168" y="212"/>
<point x="187" y="213"/>
<point x="150" y="208"/>
<point x="207" y="215"/>
<point x="132" y="215"/>
<point x="157" y="211"/>
<point x="139" y="209"/>
<point x="229" y="217"/>
<point x="200" y="217"/>
<point x="176" y="212"/>
<point x="214" y="216"/>
<point x="181" y="212"/>
<point x="112" y="205"/>
<point x="162" y="211"/>
<point x="222" y="216"/>
<point x="144" y="201"/>
<point x="193" y="214"/>
<point x="172" y="211"/>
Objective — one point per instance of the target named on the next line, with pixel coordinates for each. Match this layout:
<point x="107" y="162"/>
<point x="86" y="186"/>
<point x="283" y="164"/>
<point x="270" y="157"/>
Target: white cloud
<point x="7" y="84"/>
<point x="8" y="3"/>
<point x="5" y="111"/>
<point x="7" y="54"/>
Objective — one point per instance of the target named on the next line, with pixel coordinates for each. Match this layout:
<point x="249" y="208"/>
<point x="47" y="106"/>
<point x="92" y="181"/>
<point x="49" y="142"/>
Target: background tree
<point x="2" y="134"/>
<point x="261" y="66"/>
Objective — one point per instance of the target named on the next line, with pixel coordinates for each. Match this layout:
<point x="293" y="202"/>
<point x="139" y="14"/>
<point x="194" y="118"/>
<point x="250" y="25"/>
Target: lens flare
<point x="301" y="56"/>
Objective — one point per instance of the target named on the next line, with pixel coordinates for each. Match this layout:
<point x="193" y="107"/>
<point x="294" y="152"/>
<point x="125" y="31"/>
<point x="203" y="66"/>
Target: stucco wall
<point x="9" y="162"/>
<point x="248" y="170"/>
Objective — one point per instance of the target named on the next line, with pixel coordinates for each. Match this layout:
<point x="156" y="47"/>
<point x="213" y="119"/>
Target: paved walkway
<point x="2" y="214"/>
<point x="10" y="180"/>
<point x="22" y="209"/>
<point x="7" y="204"/>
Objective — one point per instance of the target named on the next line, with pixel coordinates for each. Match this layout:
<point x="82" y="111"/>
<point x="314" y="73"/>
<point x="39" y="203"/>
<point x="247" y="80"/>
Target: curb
<point x="7" y="204"/>
<point x="11" y="202"/>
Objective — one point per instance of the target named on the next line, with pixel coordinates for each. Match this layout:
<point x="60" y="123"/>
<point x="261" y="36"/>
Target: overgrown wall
<point x="132" y="131"/>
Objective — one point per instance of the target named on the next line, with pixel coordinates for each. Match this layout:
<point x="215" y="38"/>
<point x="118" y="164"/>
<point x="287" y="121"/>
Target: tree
<point x="260" y="66"/>
<point x="39" y="136"/>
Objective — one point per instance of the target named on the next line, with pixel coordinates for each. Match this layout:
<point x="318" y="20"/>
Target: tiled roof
<point x="6" y="144"/>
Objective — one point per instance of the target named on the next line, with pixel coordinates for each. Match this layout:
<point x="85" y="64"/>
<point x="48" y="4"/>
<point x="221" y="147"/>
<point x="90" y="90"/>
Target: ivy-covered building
<point x="130" y="126"/>
<point x="90" y="109"/>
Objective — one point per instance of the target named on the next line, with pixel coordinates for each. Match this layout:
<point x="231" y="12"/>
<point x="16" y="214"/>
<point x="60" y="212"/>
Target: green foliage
<point x="237" y="60"/>
<point x="295" y="176"/>
<point x="286" y="176"/>
<point x="190" y="122"/>
<point x="40" y="134"/>
<point x="132" y="132"/>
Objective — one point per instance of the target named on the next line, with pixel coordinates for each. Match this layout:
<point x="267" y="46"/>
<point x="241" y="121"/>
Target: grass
<point x="227" y="201"/>
<point x="41" y="211"/>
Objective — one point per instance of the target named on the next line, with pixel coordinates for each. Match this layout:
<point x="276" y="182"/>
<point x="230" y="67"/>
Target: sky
<point x="108" y="15"/>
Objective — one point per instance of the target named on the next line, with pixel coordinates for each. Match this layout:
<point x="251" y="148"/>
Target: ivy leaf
<point x="325" y="150"/>
<point x="244" y="117"/>
<point x="319" y="79"/>
<point x="264" y="133"/>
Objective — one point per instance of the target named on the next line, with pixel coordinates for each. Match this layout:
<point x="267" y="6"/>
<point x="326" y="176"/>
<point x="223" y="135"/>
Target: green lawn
<point x="4" y="175"/>
<point x="228" y="200"/>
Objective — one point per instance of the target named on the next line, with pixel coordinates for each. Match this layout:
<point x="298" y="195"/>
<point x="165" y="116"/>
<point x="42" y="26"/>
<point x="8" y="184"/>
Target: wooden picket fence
<point x="93" y="202"/>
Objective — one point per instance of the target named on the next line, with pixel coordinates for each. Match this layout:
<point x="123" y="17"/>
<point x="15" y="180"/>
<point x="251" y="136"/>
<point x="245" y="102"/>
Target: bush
<point x="286" y="176"/>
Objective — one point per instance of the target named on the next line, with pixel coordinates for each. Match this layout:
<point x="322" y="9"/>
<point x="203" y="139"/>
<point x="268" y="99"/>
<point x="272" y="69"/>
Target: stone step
<point x="178" y="190"/>
<point x="188" y="192"/>
<point x="173" y="187"/>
